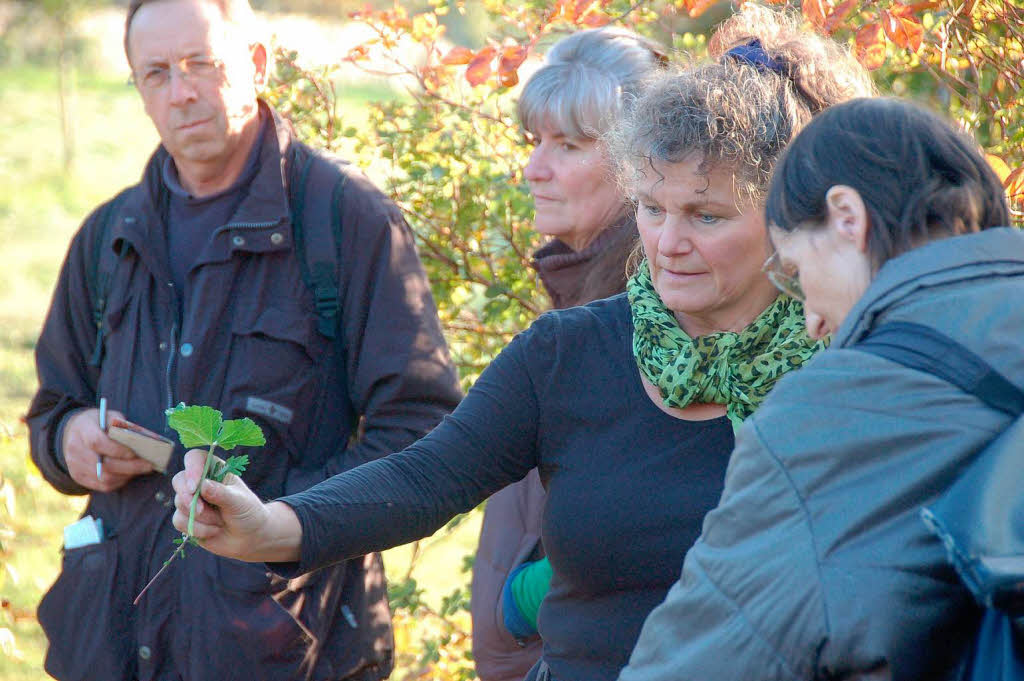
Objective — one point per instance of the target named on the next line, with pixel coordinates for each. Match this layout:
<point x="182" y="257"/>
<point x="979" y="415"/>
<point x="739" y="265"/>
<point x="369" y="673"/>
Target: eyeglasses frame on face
<point x="785" y="282"/>
<point x="190" y="69"/>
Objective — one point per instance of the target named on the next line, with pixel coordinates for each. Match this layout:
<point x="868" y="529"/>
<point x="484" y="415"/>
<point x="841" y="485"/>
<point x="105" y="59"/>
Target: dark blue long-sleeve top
<point x="628" y="485"/>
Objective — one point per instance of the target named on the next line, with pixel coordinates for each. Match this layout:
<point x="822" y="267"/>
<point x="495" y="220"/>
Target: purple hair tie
<point x="753" y="54"/>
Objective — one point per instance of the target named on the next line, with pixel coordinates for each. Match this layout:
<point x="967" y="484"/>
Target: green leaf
<point x="240" y="432"/>
<point x="234" y="464"/>
<point x="196" y="426"/>
<point x="495" y="290"/>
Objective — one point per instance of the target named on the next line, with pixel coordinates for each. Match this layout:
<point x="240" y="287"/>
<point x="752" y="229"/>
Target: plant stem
<point x="181" y="550"/>
<point x="185" y="536"/>
<point x="195" y="495"/>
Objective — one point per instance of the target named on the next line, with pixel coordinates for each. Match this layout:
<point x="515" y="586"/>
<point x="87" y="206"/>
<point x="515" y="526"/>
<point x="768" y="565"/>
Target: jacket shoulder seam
<point x="738" y="609"/>
<point x="818" y="569"/>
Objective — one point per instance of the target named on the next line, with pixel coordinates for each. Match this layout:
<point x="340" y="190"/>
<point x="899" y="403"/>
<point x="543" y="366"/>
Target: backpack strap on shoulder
<point x="316" y="232"/>
<point x="925" y="349"/>
<point x="100" y="272"/>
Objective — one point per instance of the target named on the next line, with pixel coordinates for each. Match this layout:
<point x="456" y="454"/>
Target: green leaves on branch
<point x="205" y="426"/>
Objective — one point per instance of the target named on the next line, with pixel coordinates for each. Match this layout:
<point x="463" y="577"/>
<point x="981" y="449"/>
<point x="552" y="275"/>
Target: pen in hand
<point x="103" y="427"/>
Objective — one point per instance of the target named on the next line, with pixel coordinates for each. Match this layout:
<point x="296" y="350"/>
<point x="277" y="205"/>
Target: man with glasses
<point x="195" y="286"/>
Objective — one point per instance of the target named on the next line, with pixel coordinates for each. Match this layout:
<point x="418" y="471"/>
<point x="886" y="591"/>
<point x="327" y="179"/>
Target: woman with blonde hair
<point x="587" y="79"/>
<point x="626" y="405"/>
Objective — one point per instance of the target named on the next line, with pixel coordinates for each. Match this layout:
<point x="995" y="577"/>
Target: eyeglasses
<point x="191" y="69"/>
<point x="787" y="282"/>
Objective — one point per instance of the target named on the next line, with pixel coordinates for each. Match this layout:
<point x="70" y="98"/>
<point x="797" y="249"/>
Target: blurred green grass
<point x="41" y="206"/>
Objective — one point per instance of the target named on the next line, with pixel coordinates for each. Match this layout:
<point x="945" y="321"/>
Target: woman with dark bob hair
<point x="816" y="562"/>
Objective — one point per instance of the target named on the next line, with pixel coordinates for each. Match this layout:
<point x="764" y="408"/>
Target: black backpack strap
<point x="100" y="272"/>
<point x="316" y="232"/>
<point x="923" y="348"/>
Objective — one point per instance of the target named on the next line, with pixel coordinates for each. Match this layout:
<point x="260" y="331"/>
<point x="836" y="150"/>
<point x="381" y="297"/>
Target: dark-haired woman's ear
<point x="848" y="215"/>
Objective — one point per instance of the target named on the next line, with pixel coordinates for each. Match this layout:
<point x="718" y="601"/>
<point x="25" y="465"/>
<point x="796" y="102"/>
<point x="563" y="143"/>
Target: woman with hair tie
<point x="817" y="563"/>
<point x="626" y="405"/>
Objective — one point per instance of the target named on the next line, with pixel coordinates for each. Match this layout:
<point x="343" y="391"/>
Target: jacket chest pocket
<point x="274" y="373"/>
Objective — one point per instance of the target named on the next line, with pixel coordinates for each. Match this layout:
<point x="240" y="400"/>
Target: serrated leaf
<point x="196" y="426"/>
<point x="240" y="432"/>
<point x="234" y="464"/>
<point x="495" y="290"/>
<point x="595" y="18"/>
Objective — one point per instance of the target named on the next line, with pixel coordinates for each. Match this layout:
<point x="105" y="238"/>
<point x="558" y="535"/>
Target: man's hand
<point x="83" y="442"/>
<point x="230" y="519"/>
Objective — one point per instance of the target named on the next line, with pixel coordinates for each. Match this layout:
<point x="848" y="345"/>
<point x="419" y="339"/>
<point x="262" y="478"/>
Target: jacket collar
<point x="945" y="261"/>
<point x="556" y="254"/>
<point x="562" y="269"/>
<point x="140" y="224"/>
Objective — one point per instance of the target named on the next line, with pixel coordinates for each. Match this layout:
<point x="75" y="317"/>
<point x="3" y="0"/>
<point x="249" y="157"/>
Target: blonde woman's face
<point x="573" y="192"/>
<point x="704" y="251"/>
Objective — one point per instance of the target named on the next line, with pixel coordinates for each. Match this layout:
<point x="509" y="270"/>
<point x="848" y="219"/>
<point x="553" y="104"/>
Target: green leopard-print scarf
<point x="734" y="369"/>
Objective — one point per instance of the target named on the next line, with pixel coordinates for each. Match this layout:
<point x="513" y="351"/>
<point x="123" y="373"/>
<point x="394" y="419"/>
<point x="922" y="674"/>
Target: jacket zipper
<point x="170" y="364"/>
<point x="169" y="370"/>
<point x="247" y="225"/>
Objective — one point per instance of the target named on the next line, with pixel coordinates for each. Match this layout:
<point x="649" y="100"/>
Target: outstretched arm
<point x="488" y="442"/>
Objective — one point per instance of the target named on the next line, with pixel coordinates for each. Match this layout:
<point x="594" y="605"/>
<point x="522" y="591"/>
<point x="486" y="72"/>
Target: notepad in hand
<point x="145" y="443"/>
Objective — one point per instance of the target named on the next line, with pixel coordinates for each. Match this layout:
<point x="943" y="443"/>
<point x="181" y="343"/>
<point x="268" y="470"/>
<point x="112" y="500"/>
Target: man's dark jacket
<point x="242" y="337"/>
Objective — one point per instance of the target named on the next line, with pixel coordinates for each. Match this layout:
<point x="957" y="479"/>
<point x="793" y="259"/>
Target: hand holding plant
<point x="204" y="427"/>
<point x="228" y="519"/>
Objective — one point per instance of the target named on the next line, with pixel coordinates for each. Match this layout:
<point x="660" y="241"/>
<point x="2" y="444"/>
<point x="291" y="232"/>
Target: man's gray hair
<point x="586" y="80"/>
<point x="238" y="13"/>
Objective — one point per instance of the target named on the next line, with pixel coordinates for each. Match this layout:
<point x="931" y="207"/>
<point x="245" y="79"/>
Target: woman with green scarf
<point x="626" y="405"/>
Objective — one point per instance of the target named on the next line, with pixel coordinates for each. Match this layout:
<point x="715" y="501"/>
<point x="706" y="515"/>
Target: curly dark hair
<point x="730" y="112"/>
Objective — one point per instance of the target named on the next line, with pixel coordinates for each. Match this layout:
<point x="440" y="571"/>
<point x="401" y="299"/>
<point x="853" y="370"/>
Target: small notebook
<point x="83" y="532"/>
<point x="145" y="443"/>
